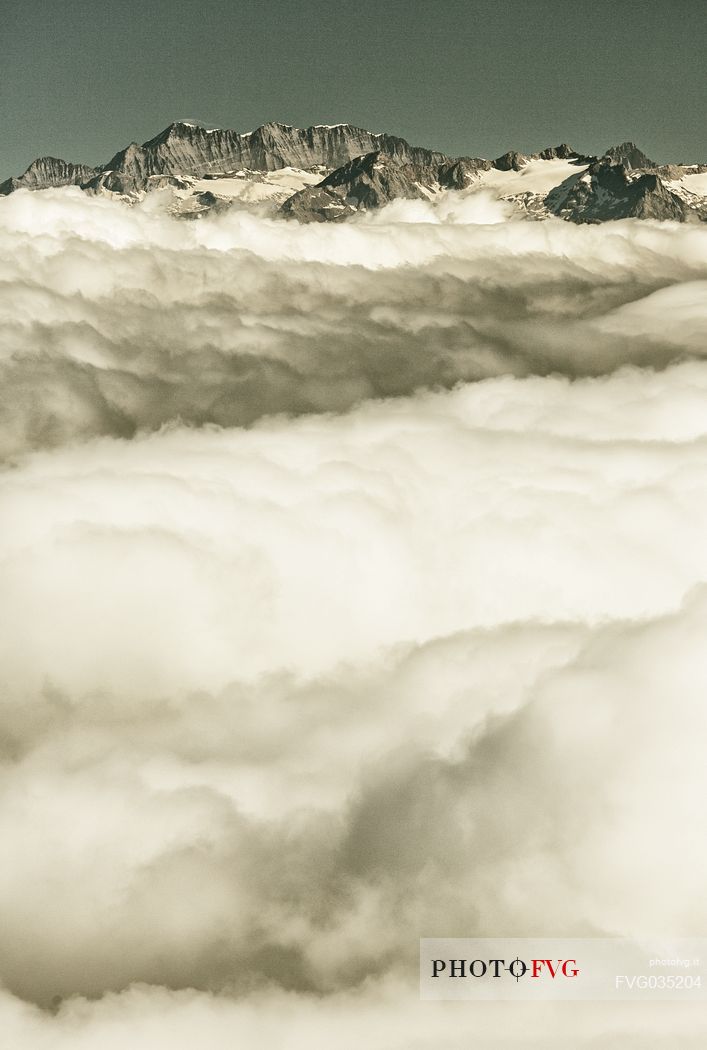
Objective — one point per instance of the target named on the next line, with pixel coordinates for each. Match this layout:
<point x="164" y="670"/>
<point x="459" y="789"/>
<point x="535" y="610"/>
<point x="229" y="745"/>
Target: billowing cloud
<point x="116" y="320"/>
<point x="277" y="701"/>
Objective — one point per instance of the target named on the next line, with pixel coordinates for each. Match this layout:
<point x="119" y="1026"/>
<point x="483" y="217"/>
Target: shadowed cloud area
<point x="118" y="320"/>
<point x="353" y="590"/>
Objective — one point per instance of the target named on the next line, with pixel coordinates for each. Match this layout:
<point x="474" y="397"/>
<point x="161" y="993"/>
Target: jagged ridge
<point x="48" y="171"/>
<point x="361" y="170"/>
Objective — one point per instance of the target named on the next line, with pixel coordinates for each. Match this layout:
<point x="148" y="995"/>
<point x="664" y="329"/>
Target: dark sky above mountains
<point x="80" y="79"/>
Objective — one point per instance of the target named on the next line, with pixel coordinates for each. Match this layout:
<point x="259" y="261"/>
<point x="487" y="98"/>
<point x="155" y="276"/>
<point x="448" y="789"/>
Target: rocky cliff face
<point x="629" y="155"/>
<point x="367" y="182"/>
<point x="190" y="150"/>
<point x="48" y="171"/>
<point x="608" y="191"/>
<point x="561" y="152"/>
<point x="378" y="178"/>
<point x="514" y="161"/>
<point x="359" y="170"/>
<point x="186" y="149"/>
<point x="511" y="161"/>
<point x="460" y="173"/>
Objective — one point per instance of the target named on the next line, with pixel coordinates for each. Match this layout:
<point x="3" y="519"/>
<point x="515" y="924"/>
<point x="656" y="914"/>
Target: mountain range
<point x="327" y="173"/>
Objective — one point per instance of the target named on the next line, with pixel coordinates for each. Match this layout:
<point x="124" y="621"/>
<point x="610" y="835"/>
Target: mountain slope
<point x="607" y="191"/>
<point x="629" y="155"/>
<point x="329" y="172"/>
<point x="48" y="171"/>
<point x="378" y="178"/>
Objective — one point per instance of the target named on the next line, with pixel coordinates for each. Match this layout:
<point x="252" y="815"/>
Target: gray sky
<point x="81" y="79"/>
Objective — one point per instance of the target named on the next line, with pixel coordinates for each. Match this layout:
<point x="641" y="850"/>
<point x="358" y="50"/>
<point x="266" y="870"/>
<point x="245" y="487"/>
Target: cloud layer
<point x="277" y="701"/>
<point x="116" y="320"/>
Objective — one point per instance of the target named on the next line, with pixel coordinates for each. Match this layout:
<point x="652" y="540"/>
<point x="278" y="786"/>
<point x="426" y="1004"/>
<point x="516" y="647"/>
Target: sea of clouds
<point x="353" y="584"/>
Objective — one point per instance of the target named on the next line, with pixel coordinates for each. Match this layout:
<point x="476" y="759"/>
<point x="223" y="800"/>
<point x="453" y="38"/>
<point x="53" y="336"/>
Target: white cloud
<point x="118" y="319"/>
<point x="383" y="1018"/>
<point x="277" y="701"/>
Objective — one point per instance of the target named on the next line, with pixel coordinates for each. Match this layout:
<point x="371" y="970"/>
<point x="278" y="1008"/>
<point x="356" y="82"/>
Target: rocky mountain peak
<point x="609" y="190"/>
<point x="561" y="152"/>
<point x="629" y="155"/>
<point x="178" y="129"/>
<point x="511" y="161"/>
<point x="48" y="171"/>
<point x="340" y="169"/>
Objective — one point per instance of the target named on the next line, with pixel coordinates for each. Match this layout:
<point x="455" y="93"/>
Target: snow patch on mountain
<point x="537" y="176"/>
